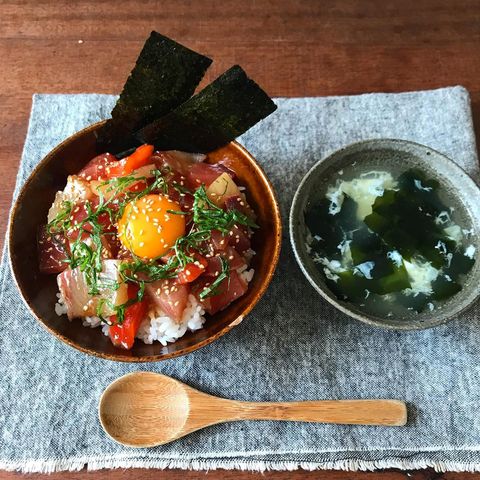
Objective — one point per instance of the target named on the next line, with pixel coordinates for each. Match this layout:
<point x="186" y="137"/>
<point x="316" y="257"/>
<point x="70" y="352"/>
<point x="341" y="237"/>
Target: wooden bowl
<point x="39" y="290"/>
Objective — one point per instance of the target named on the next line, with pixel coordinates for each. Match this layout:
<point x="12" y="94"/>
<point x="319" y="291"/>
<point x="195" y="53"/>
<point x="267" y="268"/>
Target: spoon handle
<point x="363" y="412"/>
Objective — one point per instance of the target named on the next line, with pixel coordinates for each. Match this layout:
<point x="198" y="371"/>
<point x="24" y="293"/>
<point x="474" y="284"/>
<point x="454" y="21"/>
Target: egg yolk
<point x="148" y="229"/>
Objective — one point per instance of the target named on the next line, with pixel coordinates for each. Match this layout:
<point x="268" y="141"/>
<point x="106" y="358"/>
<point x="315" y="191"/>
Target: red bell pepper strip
<point x="123" y="335"/>
<point x="140" y="157"/>
<point x="193" y="270"/>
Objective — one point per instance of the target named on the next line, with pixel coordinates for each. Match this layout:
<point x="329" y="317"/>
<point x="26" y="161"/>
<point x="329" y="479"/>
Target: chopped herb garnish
<point x="212" y="289"/>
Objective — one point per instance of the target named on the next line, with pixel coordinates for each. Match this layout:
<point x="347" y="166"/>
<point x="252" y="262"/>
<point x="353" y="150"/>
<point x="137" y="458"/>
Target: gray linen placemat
<point x="293" y="346"/>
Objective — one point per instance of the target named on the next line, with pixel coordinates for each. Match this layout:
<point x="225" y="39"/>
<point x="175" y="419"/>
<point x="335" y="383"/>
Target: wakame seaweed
<point x="221" y="112"/>
<point x="374" y="261"/>
<point x="165" y="75"/>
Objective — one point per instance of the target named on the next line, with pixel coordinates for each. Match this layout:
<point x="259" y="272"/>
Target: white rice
<point x="159" y="327"/>
<point x="60" y="307"/>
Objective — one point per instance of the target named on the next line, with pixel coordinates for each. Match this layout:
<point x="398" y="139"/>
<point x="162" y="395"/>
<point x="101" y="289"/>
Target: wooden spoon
<point x="145" y="409"/>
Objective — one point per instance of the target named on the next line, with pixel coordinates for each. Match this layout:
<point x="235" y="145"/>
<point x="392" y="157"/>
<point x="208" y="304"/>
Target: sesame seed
<point x="89" y="178"/>
<point x="176" y="303"/>
<point x="230" y="257"/>
<point x="85" y="308"/>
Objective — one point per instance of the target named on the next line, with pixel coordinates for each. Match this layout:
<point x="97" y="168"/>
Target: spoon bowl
<point x="146" y="409"/>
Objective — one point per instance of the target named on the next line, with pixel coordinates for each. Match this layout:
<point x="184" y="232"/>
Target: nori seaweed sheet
<point x="165" y="75"/>
<point x="221" y="112"/>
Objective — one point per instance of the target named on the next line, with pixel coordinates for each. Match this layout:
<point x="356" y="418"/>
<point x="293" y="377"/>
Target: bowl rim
<point x="275" y="255"/>
<point x="292" y="226"/>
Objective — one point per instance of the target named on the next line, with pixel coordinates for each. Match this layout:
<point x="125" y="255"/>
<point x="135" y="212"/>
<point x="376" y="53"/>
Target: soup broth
<point x="391" y="242"/>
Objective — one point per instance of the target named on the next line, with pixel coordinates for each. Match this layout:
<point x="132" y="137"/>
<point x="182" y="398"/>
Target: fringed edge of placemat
<point x="75" y="464"/>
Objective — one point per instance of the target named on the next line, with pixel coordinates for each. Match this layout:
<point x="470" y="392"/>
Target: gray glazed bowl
<point x="387" y="154"/>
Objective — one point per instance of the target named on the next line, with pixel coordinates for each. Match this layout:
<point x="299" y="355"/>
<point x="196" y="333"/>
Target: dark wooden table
<point x="291" y="47"/>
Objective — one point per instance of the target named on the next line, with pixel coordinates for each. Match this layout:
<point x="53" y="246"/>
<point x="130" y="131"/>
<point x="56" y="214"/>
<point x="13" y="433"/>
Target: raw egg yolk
<point x="148" y="229"/>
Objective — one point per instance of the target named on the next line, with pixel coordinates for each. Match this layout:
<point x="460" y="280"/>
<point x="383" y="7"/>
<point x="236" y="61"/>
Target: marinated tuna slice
<point x="169" y="296"/>
<point x="239" y="239"/>
<point x="227" y="292"/>
<point x="52" y="251"/>
<point x="234" y="259"/>
<point x="95" y="169"/>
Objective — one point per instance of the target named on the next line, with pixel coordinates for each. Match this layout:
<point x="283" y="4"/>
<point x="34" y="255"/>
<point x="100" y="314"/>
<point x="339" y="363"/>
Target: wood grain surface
<point x="292" y="48"/>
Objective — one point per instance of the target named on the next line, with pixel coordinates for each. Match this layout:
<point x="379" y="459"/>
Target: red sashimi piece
<point x="236" y="202"/>
<point x="80" y="213"/>
<point x="229" y="290"/>
<point x="138" y="186"/>
<point x="169" y="296"/>
<point x="234" y="259"/>
<point x="166" y="161"/>
<point x="123" y="335"/>
<point x="52" y="251"/>
<point x="214" y="267"/>
<point x="95" y="169"/>
<point x="218" y="241"/>
<point x="186" y="202"/>
<point x="204" y="173"/>
<point x="239" y="239"/>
